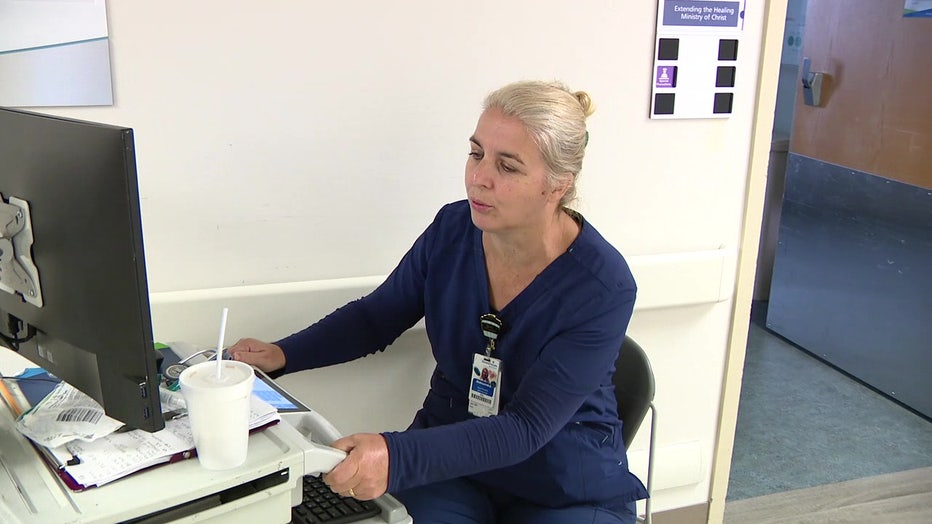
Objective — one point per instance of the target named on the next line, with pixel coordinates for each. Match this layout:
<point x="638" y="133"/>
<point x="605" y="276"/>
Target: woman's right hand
<point x="263" y="355"/>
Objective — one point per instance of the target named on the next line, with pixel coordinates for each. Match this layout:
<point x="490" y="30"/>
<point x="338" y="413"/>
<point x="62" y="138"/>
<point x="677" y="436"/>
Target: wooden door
<point x="876" y="112"/>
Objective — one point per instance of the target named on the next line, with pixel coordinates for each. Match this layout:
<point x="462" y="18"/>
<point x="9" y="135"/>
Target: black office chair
<point x="634" y="392"/>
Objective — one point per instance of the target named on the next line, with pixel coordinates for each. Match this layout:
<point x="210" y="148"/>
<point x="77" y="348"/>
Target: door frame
<point x="767" y="76"/>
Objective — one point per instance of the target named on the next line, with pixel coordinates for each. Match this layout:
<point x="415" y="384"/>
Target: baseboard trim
<point x="698" y="514"/>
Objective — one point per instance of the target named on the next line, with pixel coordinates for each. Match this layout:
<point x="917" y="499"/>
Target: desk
<point x="262" y="490"/>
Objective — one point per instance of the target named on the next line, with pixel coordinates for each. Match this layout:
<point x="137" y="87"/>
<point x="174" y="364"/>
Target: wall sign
<point x="695" y="58"/>
<point x="917" y="9"/>
<point x="54" y="54"/>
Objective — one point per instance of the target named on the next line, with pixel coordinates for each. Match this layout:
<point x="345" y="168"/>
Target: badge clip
<point x="491" y="327"/>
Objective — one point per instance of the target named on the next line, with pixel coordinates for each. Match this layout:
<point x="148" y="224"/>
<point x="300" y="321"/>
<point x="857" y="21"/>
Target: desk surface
<point x="30" y="493"/>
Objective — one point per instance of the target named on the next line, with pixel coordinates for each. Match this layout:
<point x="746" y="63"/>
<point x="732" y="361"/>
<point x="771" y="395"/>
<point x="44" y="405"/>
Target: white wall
<point x="284" y="146"/>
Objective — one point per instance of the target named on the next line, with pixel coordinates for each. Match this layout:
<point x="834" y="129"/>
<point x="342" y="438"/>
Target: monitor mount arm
<point x="18" y="273"/>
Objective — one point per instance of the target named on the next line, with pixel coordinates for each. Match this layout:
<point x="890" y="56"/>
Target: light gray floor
<point x="902" y="498"/>
<point x="801" y="423"/>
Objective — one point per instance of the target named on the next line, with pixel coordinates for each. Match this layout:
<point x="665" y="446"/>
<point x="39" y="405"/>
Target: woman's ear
<point x="556" y="194"/>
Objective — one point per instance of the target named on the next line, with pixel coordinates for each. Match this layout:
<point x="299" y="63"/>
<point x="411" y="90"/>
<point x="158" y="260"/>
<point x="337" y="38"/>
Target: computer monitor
<point x="73" y="293"/>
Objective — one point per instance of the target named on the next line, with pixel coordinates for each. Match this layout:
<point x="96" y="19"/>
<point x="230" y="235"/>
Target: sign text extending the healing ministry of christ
<point x="701" y="13"/>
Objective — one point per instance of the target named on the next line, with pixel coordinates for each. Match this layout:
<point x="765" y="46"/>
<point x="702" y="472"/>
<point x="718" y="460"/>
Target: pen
<point x="8" y="397"/>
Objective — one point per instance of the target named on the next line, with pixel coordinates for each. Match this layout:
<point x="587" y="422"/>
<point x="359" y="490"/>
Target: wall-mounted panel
<point x="852" y="281"/>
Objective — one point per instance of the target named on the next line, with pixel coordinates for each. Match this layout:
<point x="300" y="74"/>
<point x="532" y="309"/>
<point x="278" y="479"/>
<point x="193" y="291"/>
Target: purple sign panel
<point x="666" y="76"/>
<point x="701" y="13"/>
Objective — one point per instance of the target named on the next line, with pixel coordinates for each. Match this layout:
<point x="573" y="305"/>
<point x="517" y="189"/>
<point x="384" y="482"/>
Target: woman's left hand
<point x="365" y="468"/>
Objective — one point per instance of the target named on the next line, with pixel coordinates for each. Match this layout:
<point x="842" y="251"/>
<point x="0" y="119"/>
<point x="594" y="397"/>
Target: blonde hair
<point x="555" y="118"/>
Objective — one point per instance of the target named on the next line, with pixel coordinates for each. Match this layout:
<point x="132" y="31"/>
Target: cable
<point x="15" y="325"/>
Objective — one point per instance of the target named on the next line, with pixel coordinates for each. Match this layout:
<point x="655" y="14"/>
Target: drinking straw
<point x="223" y="328"/>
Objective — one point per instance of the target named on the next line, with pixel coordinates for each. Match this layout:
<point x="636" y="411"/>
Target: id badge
<point x="484" y="385"/>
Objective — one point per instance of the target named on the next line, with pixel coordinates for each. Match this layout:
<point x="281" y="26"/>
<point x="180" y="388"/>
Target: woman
<point x="526" y="306"/>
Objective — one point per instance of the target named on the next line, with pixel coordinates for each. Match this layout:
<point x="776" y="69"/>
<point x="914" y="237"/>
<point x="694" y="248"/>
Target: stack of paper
<point x="117" y="455"/>
<point x="84" y="459"/>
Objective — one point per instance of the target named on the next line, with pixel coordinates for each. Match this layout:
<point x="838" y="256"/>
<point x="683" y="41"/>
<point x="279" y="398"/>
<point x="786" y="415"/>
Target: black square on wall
<point x="722" y="103"/>
<point x="727" y="49"/>
<point x="725" y="76"/>
<point x="663" y="103"/>
<point x="668" y="49"/>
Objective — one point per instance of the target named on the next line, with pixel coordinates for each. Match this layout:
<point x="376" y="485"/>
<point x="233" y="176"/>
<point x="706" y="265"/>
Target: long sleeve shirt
<point x="556" y="440"/>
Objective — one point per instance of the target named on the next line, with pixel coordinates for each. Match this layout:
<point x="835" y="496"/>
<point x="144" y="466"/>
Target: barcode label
<point x="481" y="398"/>
<point x="88" y="415"/>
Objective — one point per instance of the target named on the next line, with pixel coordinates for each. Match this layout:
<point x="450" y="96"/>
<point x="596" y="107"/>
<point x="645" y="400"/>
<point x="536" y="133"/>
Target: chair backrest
<point x="634" y="387"/>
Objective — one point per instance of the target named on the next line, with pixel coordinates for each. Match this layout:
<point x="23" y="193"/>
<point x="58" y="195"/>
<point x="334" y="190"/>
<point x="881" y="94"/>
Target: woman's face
<point x="506" y="178"/>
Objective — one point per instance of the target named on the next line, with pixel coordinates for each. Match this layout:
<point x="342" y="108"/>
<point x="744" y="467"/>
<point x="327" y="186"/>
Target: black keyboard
<point x="320" y="505"/>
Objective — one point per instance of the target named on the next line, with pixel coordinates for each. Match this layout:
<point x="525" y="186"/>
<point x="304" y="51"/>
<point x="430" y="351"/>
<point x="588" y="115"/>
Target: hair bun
<point x="585" y="101"/>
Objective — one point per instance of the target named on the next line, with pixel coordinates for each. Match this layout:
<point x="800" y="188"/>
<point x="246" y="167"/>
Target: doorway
<point x="802" y="422"/>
